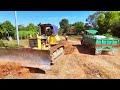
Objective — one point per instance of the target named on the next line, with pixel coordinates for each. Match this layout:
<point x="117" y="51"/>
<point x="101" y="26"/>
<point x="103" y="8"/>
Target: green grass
<point x="73" y="37"/>
<point x="25" y="42"/>
<point x="13" y="43"/>
<point x="77" y="37"/>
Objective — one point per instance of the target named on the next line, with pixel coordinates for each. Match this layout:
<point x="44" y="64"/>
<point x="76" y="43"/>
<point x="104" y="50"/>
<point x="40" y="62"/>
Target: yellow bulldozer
<point x="44" y="49"/>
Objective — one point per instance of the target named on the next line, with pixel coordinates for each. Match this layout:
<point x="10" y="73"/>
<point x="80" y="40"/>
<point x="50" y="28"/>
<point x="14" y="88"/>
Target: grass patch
<point x="77" y="37"/>
<point x="2" y="43"/>
<point x="13" y="43"/>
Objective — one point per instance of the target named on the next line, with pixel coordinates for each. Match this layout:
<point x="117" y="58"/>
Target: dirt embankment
<point x="13" y="71"/>
<point x="68" y="47"/>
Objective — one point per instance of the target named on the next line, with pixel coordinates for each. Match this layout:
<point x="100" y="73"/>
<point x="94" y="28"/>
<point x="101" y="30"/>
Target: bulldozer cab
<point x="50" y="31"/>
<point x="47" y="29"/>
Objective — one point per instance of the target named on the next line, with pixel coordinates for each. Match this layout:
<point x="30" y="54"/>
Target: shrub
<point x="9" y="44"/>
<point x="2" y="43"/>
<point x="108" y="35"/>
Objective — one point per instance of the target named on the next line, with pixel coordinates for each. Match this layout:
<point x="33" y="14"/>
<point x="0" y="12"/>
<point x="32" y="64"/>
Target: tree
<point x="64" y="25"/>
<point x="32" y="27"/>
<point x="111" y="17"/>
<point x="21" y="28"/>
<point x="87" y="26"/>
<point x="104" y="21"/>
<point x="101" y="24"/>
<point x="7" y="29"/>
<point x="117" y="29"/>
<point x="108" y="21"/>
<point x="92" y="19"/>
<point x="60" y="31"/>
<point x="78" y="27"/>
<point x="69" y="27"/>
<point x="1" y="35"/>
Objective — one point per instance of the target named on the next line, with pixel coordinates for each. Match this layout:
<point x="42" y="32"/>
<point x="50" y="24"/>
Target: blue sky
<point x="36" y="17"/>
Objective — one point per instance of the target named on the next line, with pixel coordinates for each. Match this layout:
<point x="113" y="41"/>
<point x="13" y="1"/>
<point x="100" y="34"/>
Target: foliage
<point x="117" y="29"/>
<point x="106" y="21"/>
<point x="9" y="44"/>
<point x="87" y="26"/>
<point x="25" y="32"/>
<point x="32" y="27"/>
<point x="60" y="31"/>
<point x="108" y="35"/>
<point x="64" y="23"/>
<point x="2" y="43"/>
<point x="92" y="19"/>
<point x="7" y="29"/>
<point x="78" y="26"/>
<point x="21" y="28"/>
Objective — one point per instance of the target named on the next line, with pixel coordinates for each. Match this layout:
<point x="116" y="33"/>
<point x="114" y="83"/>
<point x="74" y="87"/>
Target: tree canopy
<point x="7" y="29"/>
<point x="79" y="26"/>
<point x="106" y="22"/>
<point x="64" y="23"/>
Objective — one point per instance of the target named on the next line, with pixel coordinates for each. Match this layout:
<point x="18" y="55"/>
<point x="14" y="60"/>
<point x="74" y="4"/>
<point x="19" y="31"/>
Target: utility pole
<point x="17" y="29"/>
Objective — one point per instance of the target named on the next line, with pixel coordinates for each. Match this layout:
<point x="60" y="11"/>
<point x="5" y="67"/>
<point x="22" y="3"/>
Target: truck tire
<point x="96" y="52"/>
<point x="82" y="42"/>
<point x="114" y="52"/>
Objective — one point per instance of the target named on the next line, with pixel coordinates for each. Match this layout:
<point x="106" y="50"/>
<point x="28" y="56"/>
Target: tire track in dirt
<point x="83" y="65"/>
<point x="92" y="71"/>
<point x="98" y="66"/>
<point x="112" y="62"/>
<point x="106" y="68"/>
<point x="64" y="69"/>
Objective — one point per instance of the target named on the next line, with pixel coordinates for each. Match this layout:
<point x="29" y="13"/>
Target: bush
<point x="60" y="31"/>
<point x="2" y="43"/>
<point x="9" y="44"/>
<point x="108" y="35"/>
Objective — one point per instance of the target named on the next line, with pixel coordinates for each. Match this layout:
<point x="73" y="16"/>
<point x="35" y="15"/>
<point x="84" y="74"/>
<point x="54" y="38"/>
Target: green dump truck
<point x="99" y="43"/>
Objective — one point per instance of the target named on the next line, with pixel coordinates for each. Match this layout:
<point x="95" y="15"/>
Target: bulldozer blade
<point x="28" y="57"/>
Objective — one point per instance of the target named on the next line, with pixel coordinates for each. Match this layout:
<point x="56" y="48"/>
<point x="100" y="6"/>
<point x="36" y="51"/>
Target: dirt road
<point x="81" y="64"/>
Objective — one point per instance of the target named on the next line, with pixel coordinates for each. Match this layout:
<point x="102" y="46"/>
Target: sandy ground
<point x="80" y="64"/>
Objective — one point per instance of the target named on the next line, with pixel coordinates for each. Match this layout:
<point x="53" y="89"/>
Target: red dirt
<point x="14" y="69"/>
<point x="77" y="63"/>
<point x="68" y="48"/>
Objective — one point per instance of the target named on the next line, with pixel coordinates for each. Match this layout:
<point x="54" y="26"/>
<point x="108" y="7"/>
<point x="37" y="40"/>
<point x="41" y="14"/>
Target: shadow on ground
<point x="36" y="70"/>
<point x="83" y="49"/>
<point x="86" y="50"/>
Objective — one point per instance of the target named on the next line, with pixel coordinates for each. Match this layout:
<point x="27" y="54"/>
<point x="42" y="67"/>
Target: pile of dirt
<point x="68" y="47"/>
<point x="9" y="70"/>
<point x="64" y="69"/>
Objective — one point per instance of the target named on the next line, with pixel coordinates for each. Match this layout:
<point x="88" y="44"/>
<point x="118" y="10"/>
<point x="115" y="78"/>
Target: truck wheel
<point x="82" y="42"/>
<point x="96" y="52"/>
<point x="114" y="52"/>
